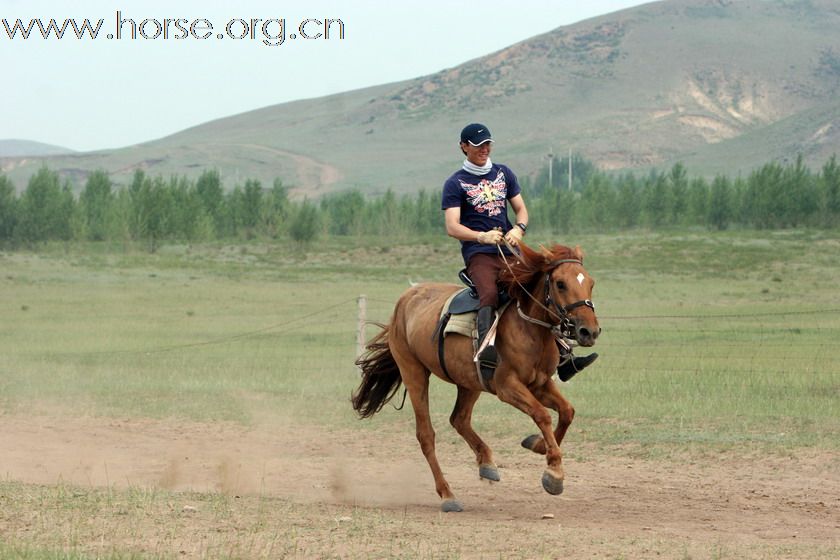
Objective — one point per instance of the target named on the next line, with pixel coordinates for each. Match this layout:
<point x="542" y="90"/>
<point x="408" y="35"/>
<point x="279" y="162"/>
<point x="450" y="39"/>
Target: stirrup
<point x="488" y="356"/>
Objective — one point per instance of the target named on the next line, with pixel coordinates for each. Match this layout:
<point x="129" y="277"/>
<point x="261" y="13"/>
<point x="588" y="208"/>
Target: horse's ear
<point x="547" y="255"/>
<point x="578" y="253"/>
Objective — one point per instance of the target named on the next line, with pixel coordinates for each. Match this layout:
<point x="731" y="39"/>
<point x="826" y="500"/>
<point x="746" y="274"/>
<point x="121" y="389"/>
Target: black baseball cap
<point x="476" y="134"/>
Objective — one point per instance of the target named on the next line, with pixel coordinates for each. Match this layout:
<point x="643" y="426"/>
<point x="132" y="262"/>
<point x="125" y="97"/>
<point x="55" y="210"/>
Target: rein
<point x="565" y="327"/>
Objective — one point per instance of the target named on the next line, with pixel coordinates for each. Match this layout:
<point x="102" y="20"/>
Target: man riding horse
<point x="475" y="202"/>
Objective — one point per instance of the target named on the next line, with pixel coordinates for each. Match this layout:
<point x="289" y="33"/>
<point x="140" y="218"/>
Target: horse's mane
<point x="528" y="270"/>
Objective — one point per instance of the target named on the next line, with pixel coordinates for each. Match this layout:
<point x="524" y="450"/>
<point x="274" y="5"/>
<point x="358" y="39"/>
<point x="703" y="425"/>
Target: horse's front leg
<point x="461" y="420"/>
<point x="515" y="393"/>
<point x="550" y="396"/>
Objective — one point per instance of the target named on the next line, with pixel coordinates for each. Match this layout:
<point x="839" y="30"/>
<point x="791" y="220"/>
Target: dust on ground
<point x="346" y="493"/>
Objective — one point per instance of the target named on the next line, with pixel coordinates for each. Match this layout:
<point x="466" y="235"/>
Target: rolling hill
<point x="15" y="148"/>
<point x="723" y="86"/>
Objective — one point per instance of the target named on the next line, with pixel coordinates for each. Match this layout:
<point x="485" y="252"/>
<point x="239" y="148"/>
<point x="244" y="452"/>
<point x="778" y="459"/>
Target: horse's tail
<point x="380" y="376"/>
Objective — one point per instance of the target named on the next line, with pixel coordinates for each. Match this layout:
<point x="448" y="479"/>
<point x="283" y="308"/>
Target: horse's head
<point x="569" y="292"/>
<point x="558" y="274"/>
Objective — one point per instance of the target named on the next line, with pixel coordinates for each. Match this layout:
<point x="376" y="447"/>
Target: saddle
<point x="458" y="316"/>
<point x="472" y="300"/>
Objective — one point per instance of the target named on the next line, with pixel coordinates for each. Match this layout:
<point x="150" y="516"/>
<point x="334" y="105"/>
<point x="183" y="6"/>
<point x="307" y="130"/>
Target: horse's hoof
<point x="451" y="506"/>
<point x="552" y="485"/>
<point x="489" y="472"/>
<point x="531" y="442"/>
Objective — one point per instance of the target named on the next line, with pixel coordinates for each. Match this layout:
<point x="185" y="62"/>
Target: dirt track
<point x="739" y="507"/>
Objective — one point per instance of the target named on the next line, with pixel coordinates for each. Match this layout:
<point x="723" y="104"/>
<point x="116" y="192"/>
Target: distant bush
<point x="304" y="225"/>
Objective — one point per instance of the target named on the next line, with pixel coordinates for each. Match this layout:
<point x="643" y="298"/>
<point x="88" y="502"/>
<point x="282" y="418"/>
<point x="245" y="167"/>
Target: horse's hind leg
<point x="550" y="396"/>
<point x="416" y="380"/>
<point x="461" y="420"/>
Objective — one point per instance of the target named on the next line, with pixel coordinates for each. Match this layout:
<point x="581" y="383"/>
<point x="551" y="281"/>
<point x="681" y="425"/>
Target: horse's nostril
<point x="583" y="333"/>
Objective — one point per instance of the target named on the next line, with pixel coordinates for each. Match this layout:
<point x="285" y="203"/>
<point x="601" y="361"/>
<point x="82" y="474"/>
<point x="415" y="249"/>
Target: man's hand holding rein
<point x="515" y="235"/>
<point x="492" y="237"/>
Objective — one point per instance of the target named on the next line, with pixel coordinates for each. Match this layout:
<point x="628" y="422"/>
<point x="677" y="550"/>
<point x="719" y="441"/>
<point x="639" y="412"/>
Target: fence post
<point x="360" y="331"/>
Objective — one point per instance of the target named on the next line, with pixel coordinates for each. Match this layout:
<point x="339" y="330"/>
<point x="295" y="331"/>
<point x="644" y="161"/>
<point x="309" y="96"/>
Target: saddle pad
<point x="463" y="323"/>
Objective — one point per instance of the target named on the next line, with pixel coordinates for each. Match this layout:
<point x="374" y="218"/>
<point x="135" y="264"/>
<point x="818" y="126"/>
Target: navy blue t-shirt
<point x="483" y="202"/>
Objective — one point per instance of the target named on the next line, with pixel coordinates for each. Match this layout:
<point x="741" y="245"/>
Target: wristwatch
<point x="522" y="226"/>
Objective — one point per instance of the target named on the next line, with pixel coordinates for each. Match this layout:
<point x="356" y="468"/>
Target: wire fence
<point x="778" y="340"/>
<point x="335" y="334"/>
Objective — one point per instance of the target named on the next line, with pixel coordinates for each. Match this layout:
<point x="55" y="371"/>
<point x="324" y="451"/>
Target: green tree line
<point x="775" y="196"/>
<point x="152" y="210"/>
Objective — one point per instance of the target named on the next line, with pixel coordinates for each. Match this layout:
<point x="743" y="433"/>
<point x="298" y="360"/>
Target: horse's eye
<point x="561" y="285"/>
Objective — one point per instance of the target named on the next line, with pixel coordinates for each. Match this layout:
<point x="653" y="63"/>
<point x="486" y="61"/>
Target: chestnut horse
<point x="551" y="293"/>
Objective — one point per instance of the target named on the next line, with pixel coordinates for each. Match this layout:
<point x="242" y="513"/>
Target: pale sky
<point x="98" y="94"/>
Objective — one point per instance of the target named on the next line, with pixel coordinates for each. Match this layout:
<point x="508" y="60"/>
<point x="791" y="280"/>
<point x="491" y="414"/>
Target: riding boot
<point x="486" y="316"/>
<point x="566" y="370"/>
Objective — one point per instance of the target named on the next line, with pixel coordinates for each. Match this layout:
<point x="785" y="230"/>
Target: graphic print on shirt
<point x="487" y="197"/>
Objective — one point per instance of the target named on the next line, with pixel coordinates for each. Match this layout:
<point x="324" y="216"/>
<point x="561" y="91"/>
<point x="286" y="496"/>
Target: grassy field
<point x="712" y="343"/>
<point x="746" y="321"/>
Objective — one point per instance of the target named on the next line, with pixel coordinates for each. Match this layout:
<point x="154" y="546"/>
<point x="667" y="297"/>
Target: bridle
<point x="565" y="327"/>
